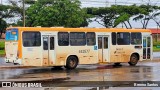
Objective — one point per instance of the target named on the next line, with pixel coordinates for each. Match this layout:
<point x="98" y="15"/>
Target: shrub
<point x="156" y="43"/>
<point x="2" y="45"/>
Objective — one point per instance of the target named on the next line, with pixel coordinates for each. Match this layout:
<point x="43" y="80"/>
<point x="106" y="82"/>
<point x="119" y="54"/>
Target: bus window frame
<point x="129" y="43"/>
<point x="90" y="38"/>
<point x="115" y="38"/>
<point x="76" y="38"/>
<point x="32" y="32"/>
<point x="68" y="38"/>
<point x="131" y="38"/>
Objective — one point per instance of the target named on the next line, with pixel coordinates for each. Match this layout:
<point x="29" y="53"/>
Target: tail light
<point x="17" y="53"/>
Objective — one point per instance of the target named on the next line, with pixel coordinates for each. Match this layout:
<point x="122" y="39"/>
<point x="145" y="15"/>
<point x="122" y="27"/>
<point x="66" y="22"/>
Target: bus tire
<point x="133" y="60"/>
<point x="72" y="62"/>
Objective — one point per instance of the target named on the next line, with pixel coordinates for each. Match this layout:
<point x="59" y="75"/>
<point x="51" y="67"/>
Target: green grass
<point x="155" y="49"/>
<point x="1" y="45"/>
<point x="2" y="52"/>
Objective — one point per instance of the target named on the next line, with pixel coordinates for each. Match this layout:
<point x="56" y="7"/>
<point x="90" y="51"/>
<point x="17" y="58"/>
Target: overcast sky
<point x="104" y="3"/>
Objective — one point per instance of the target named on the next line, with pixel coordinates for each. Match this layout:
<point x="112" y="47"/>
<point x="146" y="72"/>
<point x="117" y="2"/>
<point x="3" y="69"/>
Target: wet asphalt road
<point x="143" y="71"/>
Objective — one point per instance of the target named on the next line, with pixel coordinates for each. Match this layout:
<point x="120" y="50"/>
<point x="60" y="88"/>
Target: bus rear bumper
<point x="17" y="61"/>
<point x="7" y="60"/>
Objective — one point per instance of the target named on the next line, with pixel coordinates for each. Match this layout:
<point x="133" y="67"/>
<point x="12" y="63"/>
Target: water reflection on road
<point x="85" y="72"/>
<point x="144" y="71"/>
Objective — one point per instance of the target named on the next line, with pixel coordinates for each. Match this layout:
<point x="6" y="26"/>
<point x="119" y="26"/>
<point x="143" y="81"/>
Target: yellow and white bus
<point x="69" y="47"/>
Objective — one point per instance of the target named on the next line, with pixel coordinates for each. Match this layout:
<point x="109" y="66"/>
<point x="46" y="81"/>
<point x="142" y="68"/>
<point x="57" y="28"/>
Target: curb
<point x="13" y="67"/>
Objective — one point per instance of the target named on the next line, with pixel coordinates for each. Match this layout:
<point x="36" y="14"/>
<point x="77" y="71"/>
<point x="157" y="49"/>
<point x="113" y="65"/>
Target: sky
<point x="107" y="3"/>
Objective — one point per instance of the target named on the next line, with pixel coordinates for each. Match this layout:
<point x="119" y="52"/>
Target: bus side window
<point x="99" y="42"/>
<point x="136" y="38"/>
<point x="31" y="39"/>
<point x="45" y="43"/>
<point x="114" y="38"/>
<point x="63" y="38"/>
<point x="123" y="38"/>
<point x="91" y="38"/>
<point x="77" y="38"/>
<point x="51" y="43"/>
<point x="105" y="42"/>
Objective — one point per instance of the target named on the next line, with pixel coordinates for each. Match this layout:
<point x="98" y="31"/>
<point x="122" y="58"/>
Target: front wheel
<point x="133" y="60"/>
<point x="72" y="62"/>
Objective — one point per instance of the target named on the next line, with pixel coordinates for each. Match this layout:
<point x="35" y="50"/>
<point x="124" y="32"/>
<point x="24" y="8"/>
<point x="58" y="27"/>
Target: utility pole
<point x="157" y="34"/>
<point x="1" y="1"/>
<point x="115" y="2"/>
<point x="23" y="13"/>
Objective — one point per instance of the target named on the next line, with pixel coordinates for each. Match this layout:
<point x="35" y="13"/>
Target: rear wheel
<point x="133" y="60"/>
<point x="72" y="62"/>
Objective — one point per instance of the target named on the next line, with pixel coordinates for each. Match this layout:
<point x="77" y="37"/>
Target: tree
<point x="103" y="15"/>
<point x="148" y="12"/>
<point x="120" y="14"/>
<point x="65" y="13"/>
<point x="124" y="15"/>
<point x="114" y="15"/>
<point x="3" y="26"/>
<point x="5" y="12"/>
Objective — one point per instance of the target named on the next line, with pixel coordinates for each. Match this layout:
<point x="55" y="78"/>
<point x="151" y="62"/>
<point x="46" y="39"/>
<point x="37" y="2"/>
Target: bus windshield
<point x="12" y="35"/>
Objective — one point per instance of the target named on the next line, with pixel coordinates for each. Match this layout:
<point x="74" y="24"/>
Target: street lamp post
<point x="23" y="13"/>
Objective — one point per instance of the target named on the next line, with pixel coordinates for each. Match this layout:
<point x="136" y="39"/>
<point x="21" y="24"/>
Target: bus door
<point x="48" y="50"/>
<point x="103" y="51"/>
<point x="146" y="47"/>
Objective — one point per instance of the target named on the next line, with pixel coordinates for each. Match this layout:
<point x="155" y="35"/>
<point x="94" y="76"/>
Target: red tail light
<point x="17" y="53"/>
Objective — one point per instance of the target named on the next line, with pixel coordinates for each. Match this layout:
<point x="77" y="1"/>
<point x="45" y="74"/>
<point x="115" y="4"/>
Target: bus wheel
<point x="133" y="60"/>
<point x="72" y="62"/>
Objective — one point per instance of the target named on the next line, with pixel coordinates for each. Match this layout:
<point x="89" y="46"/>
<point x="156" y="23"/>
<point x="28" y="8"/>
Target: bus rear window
<point x="12" y="35"/>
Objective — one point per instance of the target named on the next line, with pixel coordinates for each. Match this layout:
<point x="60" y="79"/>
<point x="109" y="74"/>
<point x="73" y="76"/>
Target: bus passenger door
<point x="48" y="50"/>
<point x="51" y="50"/>
<point x="103" y="52"/>
<point x="45" y="50"/>
<point x="147" y="48"/>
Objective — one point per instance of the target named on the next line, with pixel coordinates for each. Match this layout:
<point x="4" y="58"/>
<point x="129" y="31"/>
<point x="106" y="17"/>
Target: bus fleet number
<point x="84" y="51"/>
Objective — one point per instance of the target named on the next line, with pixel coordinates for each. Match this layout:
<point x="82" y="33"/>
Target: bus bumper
<point x="15" y="61"/>
<point x="8" y="60"/>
